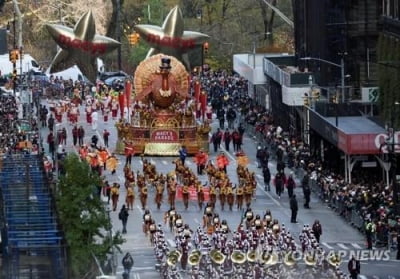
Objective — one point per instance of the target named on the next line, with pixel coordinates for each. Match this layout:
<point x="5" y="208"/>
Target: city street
<point x="337" y="234"/>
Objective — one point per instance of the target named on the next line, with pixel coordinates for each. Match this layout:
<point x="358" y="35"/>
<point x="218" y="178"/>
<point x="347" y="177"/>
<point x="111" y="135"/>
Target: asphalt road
<point x="337" y="234"/>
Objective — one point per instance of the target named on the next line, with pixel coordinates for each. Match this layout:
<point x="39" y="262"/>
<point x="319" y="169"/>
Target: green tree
<point x="84" y="217"/>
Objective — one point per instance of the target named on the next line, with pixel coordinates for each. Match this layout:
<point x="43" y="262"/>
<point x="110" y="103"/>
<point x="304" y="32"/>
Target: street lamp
<point x="341" y="66"/>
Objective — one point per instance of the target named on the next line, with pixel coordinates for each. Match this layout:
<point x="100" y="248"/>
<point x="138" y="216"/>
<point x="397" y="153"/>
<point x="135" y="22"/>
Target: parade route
<point x="337" y="234"/>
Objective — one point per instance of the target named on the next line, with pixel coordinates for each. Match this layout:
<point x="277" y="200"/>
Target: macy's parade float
<point x="163" y="115"/>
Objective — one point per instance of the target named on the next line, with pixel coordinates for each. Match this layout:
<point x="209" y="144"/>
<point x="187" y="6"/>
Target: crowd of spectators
<point x="16" y="134"/>
<point x="367" y="204"/>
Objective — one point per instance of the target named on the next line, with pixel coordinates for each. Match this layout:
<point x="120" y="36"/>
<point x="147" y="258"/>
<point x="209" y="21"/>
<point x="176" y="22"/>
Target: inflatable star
<point x="171" y="39"/>
<point x="80" y="46"/>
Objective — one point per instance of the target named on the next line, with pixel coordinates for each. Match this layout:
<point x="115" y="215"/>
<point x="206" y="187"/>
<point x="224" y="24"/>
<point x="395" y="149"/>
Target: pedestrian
<point x="51" y="143"/>
<point x="354" y="267"/>
<point x="81" y="135"/>
<point x="221" y="118"/>
<point x="370" y="229"/>
<point x="123" y="216"/>
<point x="290" y="184"/>
<point x="50" y="122"/>
<point x="267" y="178"/>
<point x="294" y="208"/>
<point x="279" y="182"/>
<point x="216" y="139"/>
<point x="75" y="133"/>
<point x="95" y="140"/>
<point x="227" y="139"/>
<point x="64" y="136"/>
<point x="106" y="135"/>
<point x="306" y="191"/>
<point x="127" y="263"/>
<point x="183" y="154"/>
<point x="317" y="230"/>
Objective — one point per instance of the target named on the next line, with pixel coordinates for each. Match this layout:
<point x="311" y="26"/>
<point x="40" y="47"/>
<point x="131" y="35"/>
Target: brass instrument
<point x="269" y="258"/>
<point x="275" y="228"/>
<point x="173" y="257"/>
<point x="238" y="257"/>
<point x="291" y="258"/>
<point x="217" y="257"/>
<point x="334" y="259"/>
<point x="310" y="259"/>
<point x="194" y="257"/>
<point x="252" y="256"/>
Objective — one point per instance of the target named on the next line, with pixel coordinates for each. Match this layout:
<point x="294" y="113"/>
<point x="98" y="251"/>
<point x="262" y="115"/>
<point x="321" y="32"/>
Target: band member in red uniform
<point x="58" y="113"/>
<point x="201" y="159"/>
<point x="129" y="152"/>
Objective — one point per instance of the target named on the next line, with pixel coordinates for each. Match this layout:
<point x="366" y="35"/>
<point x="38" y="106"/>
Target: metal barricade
<point x="357" y="220"/>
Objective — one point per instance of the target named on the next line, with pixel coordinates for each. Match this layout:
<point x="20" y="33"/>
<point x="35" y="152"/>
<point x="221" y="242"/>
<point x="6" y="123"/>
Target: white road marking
<point x="341" y="245"/>
<point x="164" y="162"/>
<point x="196" y="221"/>
<point x="259" y="176"/>
<point x="355" y="245"/>
<point x="327" y="245"/>
<point x="362" y="276"/>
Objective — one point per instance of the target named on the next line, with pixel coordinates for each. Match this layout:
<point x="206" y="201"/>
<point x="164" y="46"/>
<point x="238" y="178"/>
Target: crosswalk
<point x="343" y="245"/>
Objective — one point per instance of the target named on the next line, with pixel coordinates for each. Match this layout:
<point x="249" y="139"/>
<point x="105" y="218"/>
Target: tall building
<point x="336" y="29"/>
<point x="389" y="63"/>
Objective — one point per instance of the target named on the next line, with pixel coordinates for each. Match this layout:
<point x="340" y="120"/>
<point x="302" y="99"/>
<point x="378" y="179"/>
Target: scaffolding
<point x="33" y="245"/>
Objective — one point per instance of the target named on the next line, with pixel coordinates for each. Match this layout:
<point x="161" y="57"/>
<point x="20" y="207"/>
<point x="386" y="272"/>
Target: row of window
<point x="391" y="8"/>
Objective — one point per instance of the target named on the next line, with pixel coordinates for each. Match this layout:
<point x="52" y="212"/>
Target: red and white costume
<point x="88" y="111"/>
<point x="209" y="112"/>
<point x="114" y="108"/>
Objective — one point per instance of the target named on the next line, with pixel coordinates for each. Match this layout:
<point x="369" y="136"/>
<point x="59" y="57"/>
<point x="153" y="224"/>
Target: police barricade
<point x="357" y="220"/>
<point x="192" y="193"/>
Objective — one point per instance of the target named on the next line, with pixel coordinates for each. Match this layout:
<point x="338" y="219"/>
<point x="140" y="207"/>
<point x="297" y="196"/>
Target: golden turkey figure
<point x="163" y="86"/>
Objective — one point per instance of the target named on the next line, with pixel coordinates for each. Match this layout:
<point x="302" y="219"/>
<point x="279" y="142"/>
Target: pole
<point x="254" y="51"/>
<point x="342" y="76"/>
<point x="15" y="62"/>
<point x="119" y="34"/>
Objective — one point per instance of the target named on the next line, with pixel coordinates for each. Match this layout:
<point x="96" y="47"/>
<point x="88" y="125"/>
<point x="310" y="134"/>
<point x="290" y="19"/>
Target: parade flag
<point x="121" y="101"/>
<point x="128" y="92"/>
<point x="203" y="102"/>
<point x="197" y="91"/>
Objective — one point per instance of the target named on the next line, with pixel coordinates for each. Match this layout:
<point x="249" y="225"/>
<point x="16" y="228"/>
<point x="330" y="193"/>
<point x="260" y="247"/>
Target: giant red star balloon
<point x="80" y="46"/>
<point x="171" y="39"/>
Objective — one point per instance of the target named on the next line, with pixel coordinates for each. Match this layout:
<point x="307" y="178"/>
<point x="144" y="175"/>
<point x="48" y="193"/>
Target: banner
<point x="203" y="102"/>
<point x="128" y="93"/>
<point x="197" y="91"/>
<point x="193" y="193"/>
<point x="121" y="101"/>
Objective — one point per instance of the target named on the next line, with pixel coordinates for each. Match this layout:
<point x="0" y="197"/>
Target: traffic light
<point x="133" y="38"/>
<point x="14" y="55"/>
<point x="205" y="47"/>
<point x="306" y="101"/>
<point x="316" y="94"/>
<point x="14" y="75"/>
